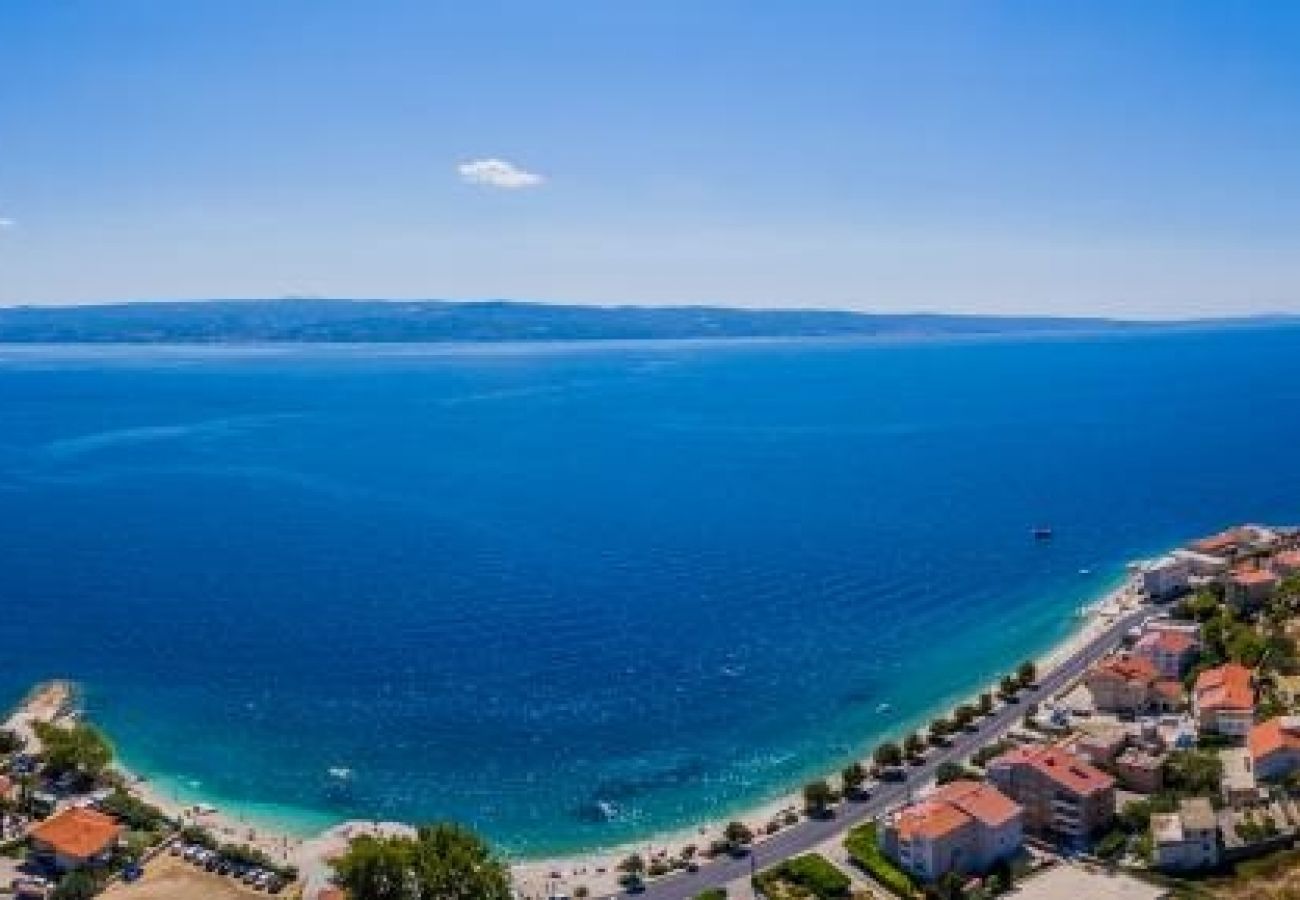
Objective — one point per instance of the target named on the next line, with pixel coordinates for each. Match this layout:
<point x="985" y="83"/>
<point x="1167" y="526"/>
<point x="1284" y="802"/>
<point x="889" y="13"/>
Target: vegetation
<point x="949" y="772"/>
<point x="10" y="741"/>
<point x="853" y="777"/>
<point x="913" y="745"/>
<point x="982" y="756"/>
<point x="78" y="884"/>
<point x="818" y="797"/>
<point x="1112" y="845"/>
<point x="1026" y="673"/>
<point x="985" y="704"/>
<point x="887" y="754"/>
<point x="737" y="835"/>
<point x="1193" y="773"/>
<point x="81" y="751"/>
<point x="135" y="814"/>
<point x="443" y="862"/>
<point x="1007" y="687"/>
<point x="713" y="894"/>
<point x="812" y="876"/>
<point x="864" y="850"/>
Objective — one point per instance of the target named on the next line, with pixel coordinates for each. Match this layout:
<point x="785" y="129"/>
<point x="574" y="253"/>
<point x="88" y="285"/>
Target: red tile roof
<point x="983" y="802"/>
<point x="1128" y="668"/>
<point x="1254" y="576"/>
<point x="1227" y="687"/>
<point x="1176" y="642"/>
<point x="1066" y="770"/>
<point x="1224" y="540"/>
<point x="1287" y="559"/>
<point x="1281" y="733"/>
<point x="77" y="832"/>
<point x="929" y="819"/>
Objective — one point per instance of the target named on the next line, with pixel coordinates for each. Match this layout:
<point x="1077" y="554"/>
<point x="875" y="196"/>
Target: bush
<point x="811" y="872"/>
<point x="864" y="850"/>
<point x="135" y="814"/>
<point x="714" y="894"/>
<point x="1112" y="846"/>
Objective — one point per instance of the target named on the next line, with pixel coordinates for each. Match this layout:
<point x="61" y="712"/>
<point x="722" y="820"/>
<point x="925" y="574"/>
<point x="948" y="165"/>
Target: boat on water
<point x="1042" y="533"/>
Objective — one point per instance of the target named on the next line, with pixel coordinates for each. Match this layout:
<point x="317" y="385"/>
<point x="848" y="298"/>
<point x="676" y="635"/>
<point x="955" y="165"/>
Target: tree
<point x="913" y="745"/>
<point x="951" y="771"/>
<point x="1007" y="687"/>
<point x="81" y="750"/>
<point x="76" y="885"/>
<point x="1193" y="772"/>
<point x="963" y="715"/>
<point x="737" y="835"/>
<point x="887" y="754"/>
<point x="817" y="797"/>
<point x="853" y="776"/>
<point x="986" y="703"/>
<point x="1026" y="673"/>
<point x="442" y="862"/>
<point x="634" y="864"/>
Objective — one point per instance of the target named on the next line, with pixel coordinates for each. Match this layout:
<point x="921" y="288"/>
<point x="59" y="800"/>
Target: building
<point x="1274" y="747"/>
<point x="963" y="827"/>
<point x="1287" y="563"/>
<point x="1140" y="770"/>
<point x="1249" y="588"/>
<point x="1166" y="577"/>
<point x="1171" y="651"/>
<point x="1187" y="839"/>
<point x="1223" y="700"/>
<point x="1237" y="541"/>
<point x="1062" y="795"/>
<point x="1126" y="683"/>
<point x="1202" y="565"/>
<point x="75" y="838"/>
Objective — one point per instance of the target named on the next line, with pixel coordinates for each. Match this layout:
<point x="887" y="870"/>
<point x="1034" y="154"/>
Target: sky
<point x="1136" y="159"/>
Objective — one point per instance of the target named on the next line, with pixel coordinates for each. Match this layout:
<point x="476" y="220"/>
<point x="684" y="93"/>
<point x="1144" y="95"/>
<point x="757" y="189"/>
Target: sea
<point x="578" y="595"/>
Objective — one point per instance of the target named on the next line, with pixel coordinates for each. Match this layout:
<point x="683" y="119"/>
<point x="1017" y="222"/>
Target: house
<point x="1274" y="747"/>
<point x="1140" y="770"/>
<point x="1287" y="563"/>
<point x="1202" y="565"/>
<point x="1126" y="683"/>
<point x="1166" y="577"/>
<point x="75" y="838"/>
<point x="963" y="827"/>
<point x="1099" y="742"/>
<point x="1061" y="794"/>
<point x="1223" y="700"/>
<point x="1171" y="651"/>
<point x="1249" y="588"/>
<point x="1187" y="839"/>
<point x="1237" y="541"/>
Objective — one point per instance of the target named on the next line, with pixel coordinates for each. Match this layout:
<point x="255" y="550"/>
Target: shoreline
<point x="535" y="876"/>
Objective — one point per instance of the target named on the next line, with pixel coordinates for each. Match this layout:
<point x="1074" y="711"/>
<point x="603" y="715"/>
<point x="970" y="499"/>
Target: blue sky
<point x="1138" y="159"/>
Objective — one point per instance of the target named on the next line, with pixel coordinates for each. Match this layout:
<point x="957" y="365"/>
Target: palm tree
<point x="853" y="776"/>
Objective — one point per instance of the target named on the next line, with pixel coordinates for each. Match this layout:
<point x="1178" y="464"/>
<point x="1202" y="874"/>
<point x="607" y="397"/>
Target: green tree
<point x="1026" y="673"/>
<point x="1007" y="687"/>
<point x="442" y="862"/>
<point x="817" y="797"/>
<point x="887" y="754"/>
<point x="853" y="777"/>
<point x="986" y="703"/>
<point x="1193" y="772"/>
<point x="81" y="750"/>
<point x="913" y="745"/>
<point x="737" y="835"/>
<point x="76" y="885"/>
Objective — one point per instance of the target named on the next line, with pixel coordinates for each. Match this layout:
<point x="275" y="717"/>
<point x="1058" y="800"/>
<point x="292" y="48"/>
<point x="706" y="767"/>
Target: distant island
<point x="385" y="321"/>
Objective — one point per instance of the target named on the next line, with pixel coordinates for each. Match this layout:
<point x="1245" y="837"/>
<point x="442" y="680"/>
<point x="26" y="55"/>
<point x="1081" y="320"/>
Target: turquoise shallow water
<point x="576" y="596"/>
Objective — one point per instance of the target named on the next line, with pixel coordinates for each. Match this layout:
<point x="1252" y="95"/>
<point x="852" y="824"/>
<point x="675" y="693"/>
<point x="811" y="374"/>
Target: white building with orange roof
<point x="964" y="827"/>
<point x="1287" y="563"/>
<point x="1171" y="652"/>
<point x="1250" y="587"/>
<point x="76" y="838"/>
<point x="1274" y="747"/>
<point x="1127" y="683"/>
<point x="1061" y="794"/>
<point x="1223" y="700"/>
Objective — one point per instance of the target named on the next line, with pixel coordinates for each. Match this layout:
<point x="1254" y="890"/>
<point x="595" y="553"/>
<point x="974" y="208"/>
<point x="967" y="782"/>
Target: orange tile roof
<point x="1171" y="641"/>
<point x="1227" y="687"/>
<point x="1224" y="540"/>
<point x="980" y="801"/>
<point x="1128" y="668"/>
<point x="1064" y="769"/>
<point x="930" y="819"/>
<point x="1169" y="689"/>
<point x="1254" y="576"/>
<point x="1288" y="558"/>
<point x="1272" y="736"/>
<point x="77" y="832"/>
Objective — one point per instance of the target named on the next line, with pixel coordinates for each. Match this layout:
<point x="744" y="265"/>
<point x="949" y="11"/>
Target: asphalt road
<point x="809" y="833"/>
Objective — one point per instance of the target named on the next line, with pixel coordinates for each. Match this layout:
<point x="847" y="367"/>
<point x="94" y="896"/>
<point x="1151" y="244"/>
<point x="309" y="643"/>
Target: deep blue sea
<point x="517" y="586"/>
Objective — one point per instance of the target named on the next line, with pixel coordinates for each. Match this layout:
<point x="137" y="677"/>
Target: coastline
<point x="596" y="869"/>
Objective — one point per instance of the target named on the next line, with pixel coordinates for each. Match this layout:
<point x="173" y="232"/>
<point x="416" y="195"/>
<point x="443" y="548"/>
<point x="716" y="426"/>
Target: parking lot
<point x="172" y="878"/>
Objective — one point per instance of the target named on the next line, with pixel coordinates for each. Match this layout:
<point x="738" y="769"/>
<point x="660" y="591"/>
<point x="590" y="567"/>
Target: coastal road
<point x="805" y="836"/>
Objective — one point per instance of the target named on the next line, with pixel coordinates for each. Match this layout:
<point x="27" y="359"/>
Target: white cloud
<point x="7" y="223"/>
<point x="497" y="173"/>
